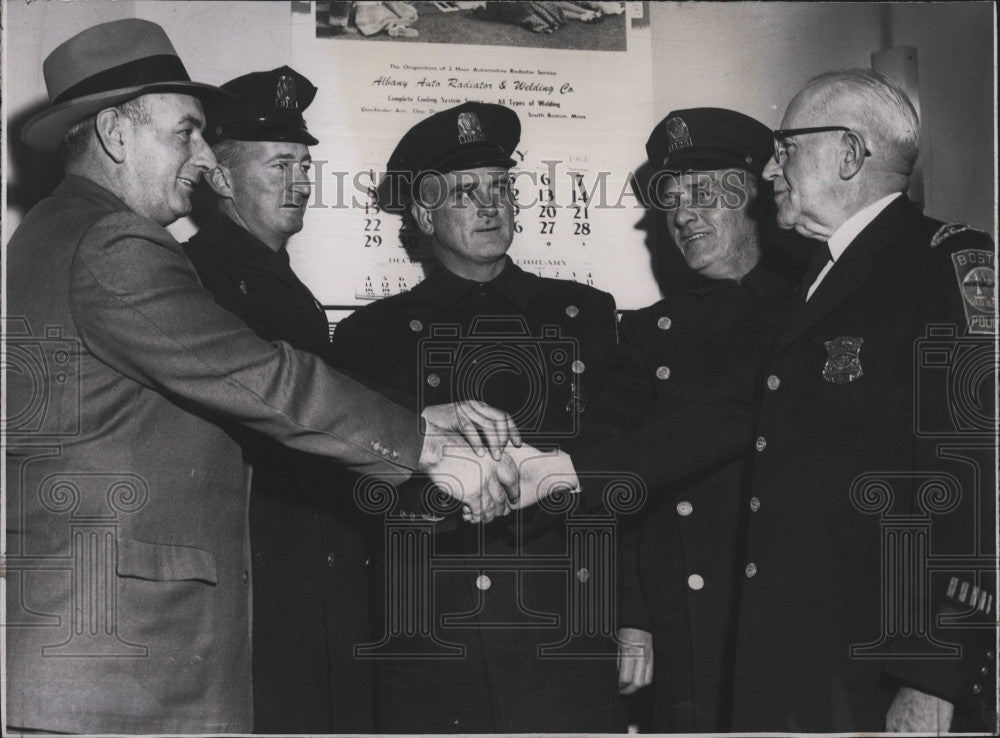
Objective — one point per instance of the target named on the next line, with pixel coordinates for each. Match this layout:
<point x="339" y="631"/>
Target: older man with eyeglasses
<point x="854" y="504"/>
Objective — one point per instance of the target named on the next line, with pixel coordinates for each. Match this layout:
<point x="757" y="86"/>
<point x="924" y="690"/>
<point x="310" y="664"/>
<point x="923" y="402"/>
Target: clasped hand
<point x="512" y="476"/>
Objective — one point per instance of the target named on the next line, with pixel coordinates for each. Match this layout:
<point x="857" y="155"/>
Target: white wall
<point x="956" y="62"/>
<point x="753" y="57"/>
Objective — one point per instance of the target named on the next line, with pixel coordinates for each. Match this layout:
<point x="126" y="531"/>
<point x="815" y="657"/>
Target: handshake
<point x="474" y="453"/>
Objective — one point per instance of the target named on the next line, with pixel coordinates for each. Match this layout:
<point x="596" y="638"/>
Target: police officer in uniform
<point x="310" y="594"/>
<point x="706" y="339"/>
<point x="479" y="327"/>
<point x="873" y="458"/>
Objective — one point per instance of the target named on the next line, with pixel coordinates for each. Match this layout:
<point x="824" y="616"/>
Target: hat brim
<point x="292" y="134"/>
<point x="472" y="157"/>
<point x="708" y="159"/>
<point x="396" y="190"/>
<point x="44" y="130"/>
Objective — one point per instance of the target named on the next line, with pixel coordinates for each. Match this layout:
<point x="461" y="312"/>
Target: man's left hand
<point x="916" y="712"/>
<point x="476" y="422"/>
<point x="635" y="659"/>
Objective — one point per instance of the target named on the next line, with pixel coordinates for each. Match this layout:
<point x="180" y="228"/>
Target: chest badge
<point x="843" y="359"/>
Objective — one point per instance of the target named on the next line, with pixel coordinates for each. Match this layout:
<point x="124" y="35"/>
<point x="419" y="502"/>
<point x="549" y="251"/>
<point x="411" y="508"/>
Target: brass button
<point x="578" y="367"/>
<point x="984" y="670"/>
<point x="761" y="443"/>
<point x="773" y="382"/>
<point x="433" y="380"/>
<point x="243" y="287"/>
<point x="483" y="582"/>
<point x="416" y="326"/>
<point x="664" y="323"/>
<point x="663" y="372"/>
<point x="977" y="688"/>
<point x="751" y="570"/>
<point x="684" y="508"/>
<point x="583" y="574"/>
<point x="754" y="504"/>
<point x="572" y="311"/>
<point x="696" y="582"/>
<point x="331" y="559"/>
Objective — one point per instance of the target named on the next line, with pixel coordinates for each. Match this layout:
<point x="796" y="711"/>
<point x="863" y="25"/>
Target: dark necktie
<point x="820" y="259"/>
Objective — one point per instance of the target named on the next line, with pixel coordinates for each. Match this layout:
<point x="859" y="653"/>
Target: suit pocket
<point x="158" y="562"/>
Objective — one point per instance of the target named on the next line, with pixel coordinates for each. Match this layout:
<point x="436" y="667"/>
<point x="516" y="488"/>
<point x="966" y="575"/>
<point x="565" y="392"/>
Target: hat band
<point x="278" y="119"/>
<point x="136" y="73"/>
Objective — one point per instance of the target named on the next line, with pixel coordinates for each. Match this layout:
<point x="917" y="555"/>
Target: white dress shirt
<point x="847" y="232"/>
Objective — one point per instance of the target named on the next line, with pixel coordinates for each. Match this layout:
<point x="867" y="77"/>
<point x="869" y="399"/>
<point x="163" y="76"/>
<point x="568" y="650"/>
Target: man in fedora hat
<point x="310" y="579"/>
<point x="128" y="566"/>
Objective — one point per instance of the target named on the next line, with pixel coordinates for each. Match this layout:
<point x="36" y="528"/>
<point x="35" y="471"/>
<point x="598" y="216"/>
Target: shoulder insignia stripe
<point x="948" y="230"/>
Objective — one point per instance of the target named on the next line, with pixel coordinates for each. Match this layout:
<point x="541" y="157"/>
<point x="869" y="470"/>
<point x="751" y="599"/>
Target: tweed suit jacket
<point x="128" y="582"/>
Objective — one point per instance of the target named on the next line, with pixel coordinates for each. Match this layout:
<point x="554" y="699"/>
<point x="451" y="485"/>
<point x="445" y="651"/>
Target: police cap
<point x="467" y="136"/>
<point x="710" y="138"/>
<point x="268" y="107"/>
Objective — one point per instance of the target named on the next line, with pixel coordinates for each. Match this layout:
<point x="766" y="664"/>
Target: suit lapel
<point x="850" y="272"/>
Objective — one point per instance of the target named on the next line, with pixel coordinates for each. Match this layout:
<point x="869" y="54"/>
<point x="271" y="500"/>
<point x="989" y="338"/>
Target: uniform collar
<point x="446" y="289"/>
<point x="235" y="243"/>
<point x="768" y="282"/>
<point x="763" y="281"/>
<point x="850" y="228"/>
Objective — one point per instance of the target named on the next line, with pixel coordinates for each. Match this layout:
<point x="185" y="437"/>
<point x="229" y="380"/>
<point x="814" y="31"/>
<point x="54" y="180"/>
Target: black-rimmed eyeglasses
<point x="780" y="152"/>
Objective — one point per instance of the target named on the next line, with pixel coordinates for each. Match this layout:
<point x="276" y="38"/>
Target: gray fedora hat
<point x="103" y="66"/>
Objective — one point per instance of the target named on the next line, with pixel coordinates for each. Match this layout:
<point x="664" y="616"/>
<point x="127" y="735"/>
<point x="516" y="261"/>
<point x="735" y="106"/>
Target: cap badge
<point x="470" y="129"/>
<point x="285" y="93"/>
<point x="843" y="359"/>
<point x="678" y="133"/>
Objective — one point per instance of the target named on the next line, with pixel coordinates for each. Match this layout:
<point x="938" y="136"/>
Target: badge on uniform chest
<point x="843" y="359"/>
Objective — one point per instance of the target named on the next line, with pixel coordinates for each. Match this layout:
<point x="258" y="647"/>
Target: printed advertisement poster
<point x="580" y="92"/>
